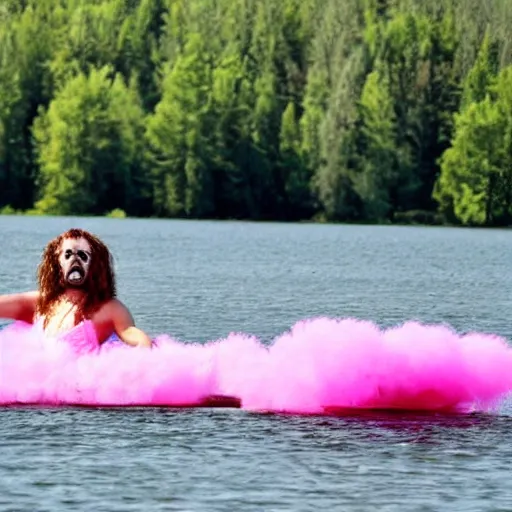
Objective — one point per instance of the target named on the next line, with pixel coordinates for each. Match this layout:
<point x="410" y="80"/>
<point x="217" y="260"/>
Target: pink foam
<point x="318" y="366"/>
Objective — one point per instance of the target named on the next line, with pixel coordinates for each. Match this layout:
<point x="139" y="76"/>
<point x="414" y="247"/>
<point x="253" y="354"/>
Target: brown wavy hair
<point x="99" y="287"/>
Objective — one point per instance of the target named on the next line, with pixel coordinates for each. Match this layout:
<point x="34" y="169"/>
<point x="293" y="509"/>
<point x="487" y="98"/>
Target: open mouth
<point x="75" y="275"/>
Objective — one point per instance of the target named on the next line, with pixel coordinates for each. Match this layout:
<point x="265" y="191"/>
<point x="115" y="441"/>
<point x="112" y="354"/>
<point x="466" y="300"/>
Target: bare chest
<point x="62" y="318"/>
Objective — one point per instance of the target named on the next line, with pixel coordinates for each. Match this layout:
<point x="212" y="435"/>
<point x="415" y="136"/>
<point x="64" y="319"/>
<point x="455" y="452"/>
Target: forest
<point x="371" y="111"/>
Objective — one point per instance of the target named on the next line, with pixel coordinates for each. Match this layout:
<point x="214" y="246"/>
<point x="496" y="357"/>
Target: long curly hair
<point x="100" y="285"/>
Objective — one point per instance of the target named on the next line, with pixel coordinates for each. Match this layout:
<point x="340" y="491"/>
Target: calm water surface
<point x="201" y="280"/>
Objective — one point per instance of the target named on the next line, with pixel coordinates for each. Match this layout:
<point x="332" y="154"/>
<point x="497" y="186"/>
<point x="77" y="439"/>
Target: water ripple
<point x="199" y="281"/>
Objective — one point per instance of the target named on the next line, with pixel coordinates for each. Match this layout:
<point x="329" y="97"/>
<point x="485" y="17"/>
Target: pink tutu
<point x="320" y="366"/>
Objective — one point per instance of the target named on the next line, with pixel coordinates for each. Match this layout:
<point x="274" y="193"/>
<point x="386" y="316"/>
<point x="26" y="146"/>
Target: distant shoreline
<point x="120" y="215"/>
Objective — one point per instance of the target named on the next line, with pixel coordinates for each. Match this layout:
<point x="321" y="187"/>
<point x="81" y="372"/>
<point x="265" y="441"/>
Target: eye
<point x="83" y="256"/>
<point x="68" y="254"/>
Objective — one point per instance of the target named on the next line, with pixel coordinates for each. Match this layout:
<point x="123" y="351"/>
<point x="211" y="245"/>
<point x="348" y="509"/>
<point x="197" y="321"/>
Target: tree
<point x="88" y="142"/>
<point x="482" y="75"/>
<point x="476" y="176"/>
<point x="379" y="166"/>
<point x="26" y="40"/>
<point x="176" y="136"/>
<point x="295" y="174"/>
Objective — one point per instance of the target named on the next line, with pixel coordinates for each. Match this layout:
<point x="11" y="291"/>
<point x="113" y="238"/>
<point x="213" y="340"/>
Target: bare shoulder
<point x="115" y="317"/>
<point x="115" y="309"/>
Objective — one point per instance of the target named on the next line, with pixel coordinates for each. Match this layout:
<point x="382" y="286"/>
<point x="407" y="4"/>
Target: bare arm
<point x="124" y="327"/>
<point x="19" y="306"/>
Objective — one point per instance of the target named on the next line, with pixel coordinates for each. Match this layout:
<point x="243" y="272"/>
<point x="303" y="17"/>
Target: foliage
<point x="370" y="111"/>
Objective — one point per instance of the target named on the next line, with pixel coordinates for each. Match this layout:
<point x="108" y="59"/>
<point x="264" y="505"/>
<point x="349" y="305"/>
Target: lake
<point x="199" y="281"/>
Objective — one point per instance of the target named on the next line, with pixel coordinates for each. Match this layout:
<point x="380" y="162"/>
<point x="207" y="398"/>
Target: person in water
<point x="76" y="282"/>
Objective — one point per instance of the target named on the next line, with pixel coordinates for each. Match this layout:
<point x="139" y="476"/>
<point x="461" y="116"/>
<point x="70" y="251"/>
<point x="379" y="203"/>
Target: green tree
<point x="379" y="168"/>
<point x="340" y="59"/>
<point x="476" y="178"/>
<point x="482" y="74"/>
<point x="177" y="137"/>
<point x="26" y="37"/>
<point x="265" y="110"/>
<point x="88" y="143"/>
<point x="294" y="172"/>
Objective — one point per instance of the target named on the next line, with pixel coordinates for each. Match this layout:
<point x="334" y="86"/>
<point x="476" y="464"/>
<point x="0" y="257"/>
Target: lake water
<point x="199" y="281"/>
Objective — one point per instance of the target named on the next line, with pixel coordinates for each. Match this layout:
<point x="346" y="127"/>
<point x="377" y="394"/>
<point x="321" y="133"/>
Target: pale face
<point x="75" y="260"/>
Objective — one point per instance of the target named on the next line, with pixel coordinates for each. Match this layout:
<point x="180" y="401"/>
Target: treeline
<point x="343" y="110"/>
